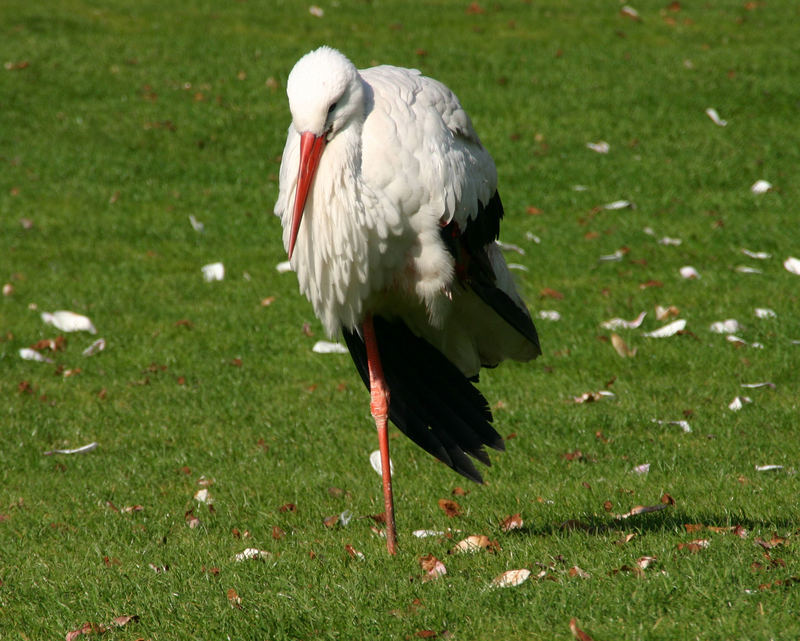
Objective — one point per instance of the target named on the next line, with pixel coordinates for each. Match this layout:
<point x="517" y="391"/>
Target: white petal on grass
<point x="213" y="272"/>
<point x="316" y="11"/>
<point x="649" y="231"/>
<point x="78" y="450"/>
<point x="684" y="425"/>
<point x="746" y="269"/>
<point x="510" y="247"/>
<point x="549" y="314"/>
<point x="511" y="578"/>
<point x="739" y="402"/>
<point x="728" y="326"/>
<point x="689" y="272"/>
<point x="714" y="115"/>
<point x="740" y="341"/>
<point x="621" y="323"/>
<point x="619" y="204"/>
<point x="28" y="354"/>
<point x="792" y="265"/>
<point x="666" y="240"/>
<point x="764" y="312"/>
<point x="327" y="347"/>
<point x="251" y="553"/>
<point x="68" y="321"/>
<point x="756" y="255"/>
<point x="601" y="146"/>
<point x="579" y="188"/>
<point x="196" y="224"/>
<point x="421" y="534"/>
<point x="668" y="330"/>
<point x="375" y="462"/>
<point x="518" y="267"/>
<point x="284" y="267"/>
<point x="345" y="517"/>
<point x="768" y="468"/>
<point x="98" y="346"/>
<point x="644" y="468"/>
<point x="203" y="496"/>
<point x="760" y="187"/>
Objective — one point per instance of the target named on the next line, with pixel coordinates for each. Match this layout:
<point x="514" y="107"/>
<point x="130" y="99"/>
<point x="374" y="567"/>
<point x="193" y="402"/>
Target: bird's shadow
<point x="665" y="522"/>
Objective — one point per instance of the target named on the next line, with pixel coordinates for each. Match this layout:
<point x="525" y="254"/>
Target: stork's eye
<point x="331" y="108"/>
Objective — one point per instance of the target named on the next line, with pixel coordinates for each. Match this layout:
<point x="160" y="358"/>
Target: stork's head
<point x="325" y="94"/>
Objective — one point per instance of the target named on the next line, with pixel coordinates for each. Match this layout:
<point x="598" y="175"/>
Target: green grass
<point x="119" y="122"/>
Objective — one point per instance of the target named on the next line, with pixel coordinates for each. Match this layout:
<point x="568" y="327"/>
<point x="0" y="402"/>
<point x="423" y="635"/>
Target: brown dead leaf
<point x="432" y="567"/>
<point x="621" y="347"/>
<point x="651" y="283"/>
<point x="475" y="543"/>
<point x="579" y="634"/>
<point x="451" y="508"/>
<point x="644" y="562"/>
<point x="56" y="344"/>
<point x="533" y="211"/>
<point x="87" y="628"/>
<point x="287" y="507"/>
<point x="667" y="499"/>
<point x="125" y="619"/>
<point x="695" y="546"/>
<point x="353" y="552"/>
<point x="512" y="522"/>
<point x="331" y="521"/>
<point x="191" y="520"/>
<point x="459" y="491"/>
<point x="775" y="541"/>
<point x="576" y="571"/>
<point x="547" y="292"/>
<point x="608" y="506"/>
<point x="277" y="533"/>
<point x="626" y="538"/>
<point x="633" y="569"/>
<point x="234" y="599"/>
<point x="474" y="9"/>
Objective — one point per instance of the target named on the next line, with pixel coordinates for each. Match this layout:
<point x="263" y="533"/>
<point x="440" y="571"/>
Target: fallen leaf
<point x="288" y="507"/>
<point x="601" y="146"/>
<point x="621" y="347"/>
<point x="644" y="562"/>
<point x="689" y="272"/>
<point x="28" y="354"/>
<point x="67" y="321"/>
<point x="234" y="599"/>
<point x="625" y="538"/>
<point x="549" y="314"/>
<point x="511" y="578"/>
<point x="375" y="462"/>
<point x="213" y="272"/>
<point x="475" y="543"/>
<point x="547" y="292"/>
<point x="353" y="552"/>
<point x="576" y="571"/>
<point x="775" y="541"/>
<point x="512" y="522"/>
<point x="768" y="468"/>
<point x="98" y="346"/>
<point x="728" y="326"/>
<point x="432" y="567"/>
<point x="694" y="546"/>
<point x="684" y="425"/>
<point x="760" y="187"/>
<point x="451" y="508"/>
<point x="739" y="402"/>
<point x="792" y="265"/>
<point x="579" y="634"/>
<point x="619" y="204"/>
<point x="764" y="312"/>
<point x="712" y="113"/>
<point x="619" y="323"/>
<point x="327" y="347"/>
<point x="756" y="254"/>
<point x="251" y="553"/>
<point x="644" y="468"/>
<point x="78" y="450"/>
<point x="667" y="330"/>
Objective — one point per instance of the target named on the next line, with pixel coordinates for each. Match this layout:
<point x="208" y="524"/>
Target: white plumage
<point x="401" y="160"/>
<point x="390" y="212"/>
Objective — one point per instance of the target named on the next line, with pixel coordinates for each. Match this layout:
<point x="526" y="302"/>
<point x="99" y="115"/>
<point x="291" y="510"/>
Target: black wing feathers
<point x="474" y="270"/>
<point x="430" y="399"/>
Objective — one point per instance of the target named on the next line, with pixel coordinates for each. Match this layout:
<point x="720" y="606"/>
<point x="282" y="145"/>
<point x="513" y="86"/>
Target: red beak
<point x="311" y="147"/>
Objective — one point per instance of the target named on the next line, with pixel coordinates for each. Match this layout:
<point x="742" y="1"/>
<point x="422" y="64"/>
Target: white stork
<point x="390" y="213"/>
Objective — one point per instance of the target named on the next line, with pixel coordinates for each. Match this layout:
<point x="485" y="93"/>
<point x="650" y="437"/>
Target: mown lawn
<point x="119" y="121"/>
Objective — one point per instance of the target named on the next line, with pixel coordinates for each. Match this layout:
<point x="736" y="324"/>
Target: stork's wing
<point x="431" y="401"/>
<point x="420" y="148"/>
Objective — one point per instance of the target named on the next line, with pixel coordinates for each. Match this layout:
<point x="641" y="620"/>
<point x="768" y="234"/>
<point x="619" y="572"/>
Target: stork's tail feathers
<point x="431" y="402"/>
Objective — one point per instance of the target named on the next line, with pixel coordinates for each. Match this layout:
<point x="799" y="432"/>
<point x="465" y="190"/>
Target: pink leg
<point x="379" y="406"/>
